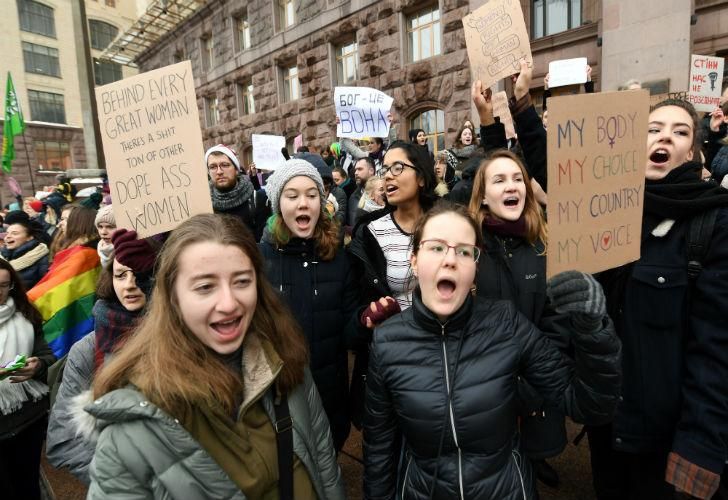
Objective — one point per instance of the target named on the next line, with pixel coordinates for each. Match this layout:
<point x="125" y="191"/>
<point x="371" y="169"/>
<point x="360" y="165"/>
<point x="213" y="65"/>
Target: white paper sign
<point x="567" y="72"/>
<point x="267" y="151"/>
<point x="706" y="80"/>
<point x="362" y="112"/>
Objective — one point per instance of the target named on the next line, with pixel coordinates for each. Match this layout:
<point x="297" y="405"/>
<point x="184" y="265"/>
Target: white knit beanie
<point x="105" y="214"/>
<point x="290" y="169"/>
<point x="227" y="151"/>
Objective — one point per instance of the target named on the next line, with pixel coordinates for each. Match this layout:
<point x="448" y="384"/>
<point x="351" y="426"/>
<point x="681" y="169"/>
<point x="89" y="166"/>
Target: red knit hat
<point x="36" y="205"/>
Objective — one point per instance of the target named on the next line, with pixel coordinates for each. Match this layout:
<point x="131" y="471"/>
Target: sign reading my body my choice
<point x="153" y="148"/>
<point x="596" y="179"/>
<point x="362" y="112"/>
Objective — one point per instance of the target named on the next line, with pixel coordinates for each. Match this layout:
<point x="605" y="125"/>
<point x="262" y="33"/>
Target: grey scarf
<point x="226" y="200"/>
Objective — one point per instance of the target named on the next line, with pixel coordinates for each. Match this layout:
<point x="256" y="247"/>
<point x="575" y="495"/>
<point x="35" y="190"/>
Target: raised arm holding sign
<point x="596" y="180"/>
<point x="150" y="129"/>
<point x="362" y="112"/>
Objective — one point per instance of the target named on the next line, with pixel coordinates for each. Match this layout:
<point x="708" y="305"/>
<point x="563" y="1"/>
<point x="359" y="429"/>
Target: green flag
<point x="13" y="125"/>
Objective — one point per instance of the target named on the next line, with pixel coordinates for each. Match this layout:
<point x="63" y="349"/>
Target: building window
<point x="106" y="72"/>
<point x="286" y="14"/>
<point x="36" y="18"/>
<point x="246" y="102"/>
<point x="554" y="16"/>
<point x="53" y="155"/>
<point x="40" y="59"/>
<point x="178" y="56"/>
<point x="212" y="111"/>
<point x="46" y="107"/>
<point x="102" y="34"/>
<point x="207" y="46"/>
<point x="347" y="63"/>
<point x="242" y="33"/>
<point x="291" y="88"/>
<point x="423" y="34"/>
<point x="433" y="123"/>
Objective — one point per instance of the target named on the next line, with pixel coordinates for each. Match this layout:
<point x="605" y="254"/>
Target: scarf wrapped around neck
<point x="226" y="200"/>
<point x="113" y="323"/>
<point x="505" y="228"/>
<point x="25" y="256"/>
<point x="17" y="336"/>
<point x="681" y="194"/>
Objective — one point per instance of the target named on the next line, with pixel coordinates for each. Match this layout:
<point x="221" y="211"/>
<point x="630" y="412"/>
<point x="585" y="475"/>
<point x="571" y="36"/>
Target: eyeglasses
<point x="396" y="168"/>
<point x="6" y="286"/>
<point x="221" y="166"/>
<point x="436" y="247"/>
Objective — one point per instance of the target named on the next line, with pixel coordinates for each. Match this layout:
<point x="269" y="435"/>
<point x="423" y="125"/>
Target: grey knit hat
<point x="280" y="177"/>
<point x="105" y="214"/>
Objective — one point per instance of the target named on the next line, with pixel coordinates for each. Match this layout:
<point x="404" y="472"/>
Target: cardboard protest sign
<point x="267" y="151"/>
<point x="502" y="111"/>
<point x="658" y="98"/>
<point x="567" y="72"/>
<point x="497" y="40"/>
<point x="362" y="112"/>
<point x="596" y="180"/>
<point x="150" y="129"/>
<point x="297" y="142"/>
<point x="706" y="80"/>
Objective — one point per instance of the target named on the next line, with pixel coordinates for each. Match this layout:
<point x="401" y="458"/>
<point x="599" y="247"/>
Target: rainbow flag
<point x="65" y="297"/>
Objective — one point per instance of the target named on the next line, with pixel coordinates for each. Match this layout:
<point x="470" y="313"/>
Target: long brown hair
<point x="168" y="363"/>
<point x="535" y="222"/>
<point x="80" y="227"/>
<point x="20" y="296"/>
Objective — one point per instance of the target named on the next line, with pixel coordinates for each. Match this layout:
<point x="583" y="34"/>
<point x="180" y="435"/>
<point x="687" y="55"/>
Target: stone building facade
<point x="379" y="29"/>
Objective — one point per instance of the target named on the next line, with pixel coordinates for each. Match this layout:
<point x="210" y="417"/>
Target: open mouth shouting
<point x="660" y="157"/>
<point x="227" y="329"/>
<point x="446" y="288"/>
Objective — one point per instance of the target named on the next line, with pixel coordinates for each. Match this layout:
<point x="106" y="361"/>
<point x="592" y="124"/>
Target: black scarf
<point x="505" y="228"/>
<point x="681" y="194"/>
<point x="227" y="200"/>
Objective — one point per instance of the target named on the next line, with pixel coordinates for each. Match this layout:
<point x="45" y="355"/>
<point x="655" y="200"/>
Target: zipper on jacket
<point x="520" y="475"/>
<point x="452" y="417"/>
<point x="406" y="474"/>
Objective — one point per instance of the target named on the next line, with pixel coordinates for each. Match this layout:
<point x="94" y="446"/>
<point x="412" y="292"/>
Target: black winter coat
<point x="472" y="362"/>
<point x="34" y="272"/>
<point x="675" y="360"/>
<point x="322" y="297"/>
<point x="513" y="269"/>
<point x="254" y="212"/>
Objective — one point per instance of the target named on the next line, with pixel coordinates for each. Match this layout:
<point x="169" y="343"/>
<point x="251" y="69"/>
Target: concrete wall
<point x="647" y="40"/>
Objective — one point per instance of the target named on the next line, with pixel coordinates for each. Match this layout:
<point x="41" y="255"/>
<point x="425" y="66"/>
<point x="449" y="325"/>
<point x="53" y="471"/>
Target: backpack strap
<point x="700" y="233"/>
<point x="283" y="426"/>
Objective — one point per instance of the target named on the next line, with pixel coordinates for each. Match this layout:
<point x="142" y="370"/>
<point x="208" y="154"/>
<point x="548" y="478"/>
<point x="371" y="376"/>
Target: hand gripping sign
<point x="362" y="112"/>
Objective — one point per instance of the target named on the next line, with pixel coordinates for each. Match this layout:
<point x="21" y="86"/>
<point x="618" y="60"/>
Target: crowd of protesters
<point x="213" y="361"/>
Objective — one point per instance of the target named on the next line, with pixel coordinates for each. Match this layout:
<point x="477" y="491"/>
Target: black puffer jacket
<point x="29" y="273"/>
<point x="472" y="443"/>
<point x="322" y="297"/>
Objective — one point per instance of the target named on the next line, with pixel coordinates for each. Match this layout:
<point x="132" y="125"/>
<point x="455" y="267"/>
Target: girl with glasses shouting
<point x="442" y="387"/>
<point x="380" y="248"/>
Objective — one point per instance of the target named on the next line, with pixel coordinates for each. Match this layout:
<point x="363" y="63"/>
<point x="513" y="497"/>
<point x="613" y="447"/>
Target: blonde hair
<point x="532" y="212"/>
<point x="369" y="188"/>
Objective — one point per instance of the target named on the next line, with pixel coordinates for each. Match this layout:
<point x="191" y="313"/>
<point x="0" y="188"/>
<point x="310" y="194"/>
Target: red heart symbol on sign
<point x="605" y="239"/>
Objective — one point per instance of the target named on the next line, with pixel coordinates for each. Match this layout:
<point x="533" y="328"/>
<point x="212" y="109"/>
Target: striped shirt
<point x="395" y="245"/>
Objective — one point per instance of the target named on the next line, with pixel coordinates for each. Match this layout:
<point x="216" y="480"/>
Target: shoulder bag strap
<point x="283" y="426"/>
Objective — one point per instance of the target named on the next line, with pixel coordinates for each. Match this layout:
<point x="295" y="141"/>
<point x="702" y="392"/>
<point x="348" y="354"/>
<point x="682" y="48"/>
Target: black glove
<point x="579" y="295"/>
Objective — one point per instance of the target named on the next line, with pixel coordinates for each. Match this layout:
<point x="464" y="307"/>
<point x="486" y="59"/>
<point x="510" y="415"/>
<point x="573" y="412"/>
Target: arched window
<point x="433" y="123"/>
<point x="102" y="34"/>
<point x="36" y="18"/>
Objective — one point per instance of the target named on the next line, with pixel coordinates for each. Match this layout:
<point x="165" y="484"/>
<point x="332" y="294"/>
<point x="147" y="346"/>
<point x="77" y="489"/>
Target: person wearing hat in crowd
<point x="330" y="187"/>
<point x="445" y="165"/>
<point x="232" y="191"/>
<point x="25" y="252"/>
<point x="105" y="225"/>
<point x="307" y="264"/>
<point x="65" y="187"/>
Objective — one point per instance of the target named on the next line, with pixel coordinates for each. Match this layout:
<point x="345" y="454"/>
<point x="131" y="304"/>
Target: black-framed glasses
<point x="221" y="166"/>
<point x="396" y="168"/>
<point x="464" y="252"/>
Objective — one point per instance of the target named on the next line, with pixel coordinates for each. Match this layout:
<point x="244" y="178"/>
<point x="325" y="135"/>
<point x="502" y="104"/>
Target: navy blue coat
<point x="33" y="273"/>
<point x="322" y="297"/>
